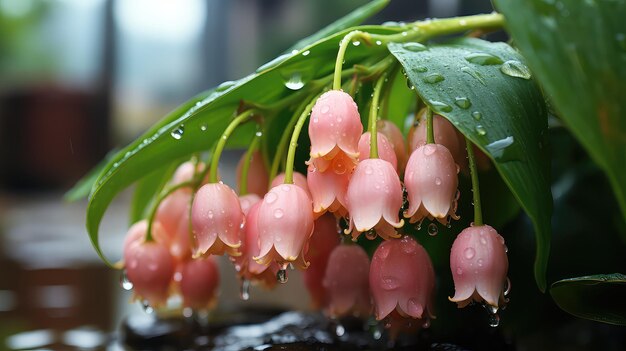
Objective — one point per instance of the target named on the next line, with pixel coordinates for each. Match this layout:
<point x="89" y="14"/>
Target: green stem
<point x="155" y="206"/>
<point x="374" y="117"/>
<point x="284" y="139"/>
<point x="222" y="143"/>
<point x="343" y="45"/>
<point x="291" y="154"/>
<point x="478" y="214"/>
<point x="254" y="145"/>
<point x="430" y="131"/>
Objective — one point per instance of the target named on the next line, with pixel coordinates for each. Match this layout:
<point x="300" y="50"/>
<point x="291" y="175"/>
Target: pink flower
<point x="173" y="215"/>
<point x="445" y="134"/>
<point x="258" y="176"/>
<point x="247" y="201"/>
<point x="431" y="183"/>
<point x="394" y="135"/>
<point x="402" y="279"/>
<point x="216" y="218"/>
<point x="374" y="199"/>
<point x="199" y="281"/>
<point x="479" y="266"/>
<point x="328" y="191"/>
<point x="149" y="265"/>
<point x="298" y="179"/>
<point x="385" y="149"/>
<point x="347" y="282"/>
<point x="324" y="239"/>
<point x="285" y="224"/>
<point x="334" y="129"/>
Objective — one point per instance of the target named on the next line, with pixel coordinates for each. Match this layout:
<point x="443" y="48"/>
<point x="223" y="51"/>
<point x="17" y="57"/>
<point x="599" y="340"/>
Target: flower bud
<point x="334" y="129"/>
<point x="385" y="149"/>
<point x="479" y="266"/>
<point x="374" y="199"/>
<point x="402" y="278"/>
<point x="216" y="218"/>
<point x="285" y="224"/>
<point x="324" y="239"/>
<point x="431" y="183"/>
<point x="395" y="137"/>
<point x="347" y="282"/>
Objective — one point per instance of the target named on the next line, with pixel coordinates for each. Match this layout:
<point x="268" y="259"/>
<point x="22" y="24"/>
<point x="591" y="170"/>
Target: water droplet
<point x="420" y="69"/>
<point x="178" y="132"/>
<point x="324" y="109"/>
<point x="483" y="59"/>
<point x="433" y="229"/>
<point x="389" y="283"/>
<point x="438" y="181"/>
<point x="415" y="47"/>
<point x="224" y="86"/>
<point x="125" y="283"/>
<point x="271" y="197"/>
<point x="306" y="53"/>
<point x="203" y="127"/>
<point x="477" y="115"/>
<point x="278" y="213"/>
<point x="480" y="262"/>
<point x="426" y="324"/>
<point x="483" y="241"/>
<point x="281" y="276"/>
<point x="507" y="287"/>
<point x="433" y="78"/>
<point x="505" y="150"/>
<point x="273" y="63"/>
<point x="146" y="307"/>
<point x="459" y="271"/>
<point x="378" y="42"/>
<point x="494" y="320"/>
<point x="469" y="253"/>
<point x="356" y="43"/>
<point x="429" y="149"/>
<point x="368" y="170"/>
<point x="480" y="129"/>
<point x="370" y="234"/>
<point x="462" y="102"/>
<point x="516" y="69"/>
<point x="340" y="330"/>
<point x="440" y="106"/>
<point x="409" y="84"/>
<point x="339" y="167"/>
<point x="210" y="214"/>
<point x="474" y="74"/>
<point x="244" y="290"/>
<point x="295" y="82"/>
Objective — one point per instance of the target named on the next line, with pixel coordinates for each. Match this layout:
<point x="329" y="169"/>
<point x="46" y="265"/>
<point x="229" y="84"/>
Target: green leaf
<point x="504" y="115"/>
<point x="577" y="50"/>
<point x="354" y="18"/>
<point x="197" y="124"/>
<point x="147" y="189"/>
<point x="596" y="297"/>
<point x="82" y="188"/>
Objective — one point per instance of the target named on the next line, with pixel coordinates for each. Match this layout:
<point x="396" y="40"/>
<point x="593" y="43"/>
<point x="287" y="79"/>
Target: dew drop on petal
<point x="389" y="283"/>
<point x="278" y="213"/>
<point x="459" y="271"/>
<point x="438" y="181"/>
<point x="368" y="170"/>
<point x="429" y="149"/>
<point x="469" y="253"/>
<point x="125" y="283"/>
<point x="271" y="197"/>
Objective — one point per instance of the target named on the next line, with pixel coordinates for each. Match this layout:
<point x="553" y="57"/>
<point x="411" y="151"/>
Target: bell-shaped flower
<point x="445" y="134"/>
<point x="479" y="267"/>
<point x="402" y="278"/>
<point x="298" y="179"/>
<point x="328" y="191"/>
<point x="258" y="177"/>
<point x="247" y="201"/>
<point x="395" y="137"/>
<point x="216" y="218"/>
<point x="347" y="282"/>
<point x="200" y="278"/>
<point x="149" y="265"/>
<point x="385" y="149"/>
<point x="334" y="129"/>
<point x="247" y="268"/>
<point x="285" y="224"/>
<point x="374" y="199"/>
<point x="324" y="239"/>
<point x="431" y="183"/>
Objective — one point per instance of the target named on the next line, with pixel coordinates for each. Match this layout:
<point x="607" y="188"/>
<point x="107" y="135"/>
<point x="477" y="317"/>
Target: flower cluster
<point x="356" y="183"/>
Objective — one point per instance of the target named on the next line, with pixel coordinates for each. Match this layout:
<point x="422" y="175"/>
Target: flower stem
<point x="215" y="160"/>
<point x="291" y="154"/>
<point x="254" y="145"/>
<point x="430" y="131"/>
<point x="374" y="117"/>
<point x="343" y="45"/>
<point x="478" y="214"/>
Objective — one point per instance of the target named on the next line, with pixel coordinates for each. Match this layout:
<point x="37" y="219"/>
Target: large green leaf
<point x="197" y="124"/>
<point x="597" y="297"/>
<point x="484" y="89"/>
<point x="147" y="189"/>
<point x="577" y="50"/>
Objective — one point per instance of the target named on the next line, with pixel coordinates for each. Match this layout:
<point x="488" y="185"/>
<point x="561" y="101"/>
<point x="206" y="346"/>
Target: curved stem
<point x="343" y="45"/>
<point x="222" y="142"/>
<point x="430" y="132"/>
<point x="254" y="145"/>
<point x="373" y="128"/>
<point x="155" y="206"/>
<point x="478" y="214"/>
<point x="291" y="154"/>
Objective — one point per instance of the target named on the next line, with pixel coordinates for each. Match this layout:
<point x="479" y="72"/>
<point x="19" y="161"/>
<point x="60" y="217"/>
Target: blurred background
<point x="80" y="77"/>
